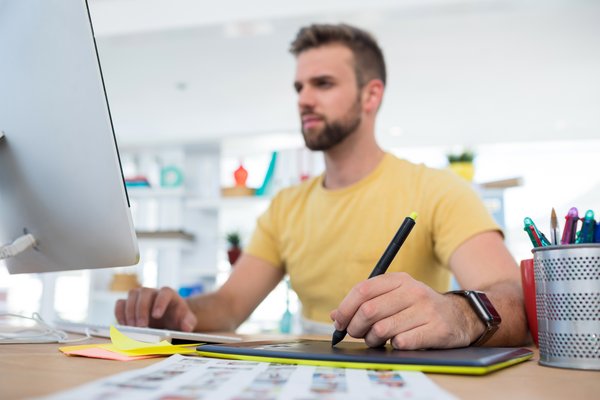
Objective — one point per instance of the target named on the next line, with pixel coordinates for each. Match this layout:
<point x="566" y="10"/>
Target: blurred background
<point x="205" y="114"/>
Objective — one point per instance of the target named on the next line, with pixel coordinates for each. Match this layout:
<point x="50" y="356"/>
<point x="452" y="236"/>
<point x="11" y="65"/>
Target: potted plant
<point x="234" y="250"/>
<point x="462" y="164"/>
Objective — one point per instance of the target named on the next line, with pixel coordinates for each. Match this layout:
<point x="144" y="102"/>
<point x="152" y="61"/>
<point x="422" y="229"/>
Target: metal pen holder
<point x="567" y="286"/>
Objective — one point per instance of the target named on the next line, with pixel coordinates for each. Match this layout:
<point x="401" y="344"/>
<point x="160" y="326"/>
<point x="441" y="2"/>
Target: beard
<point x="334" y="132"/>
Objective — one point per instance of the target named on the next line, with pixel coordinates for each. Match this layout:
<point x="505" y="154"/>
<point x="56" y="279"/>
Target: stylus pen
<point x="385" y="260"/>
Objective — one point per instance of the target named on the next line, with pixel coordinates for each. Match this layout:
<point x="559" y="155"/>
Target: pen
<point x="537" y="238"/>
<point x="586" y="234"/>
<point x="385" y="260"/>
<point x="554" y="228"/>
<point x="571" y="218"/>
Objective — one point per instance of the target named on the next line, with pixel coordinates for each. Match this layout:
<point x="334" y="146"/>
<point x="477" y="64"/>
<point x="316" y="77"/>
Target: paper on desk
<point x="98" y="351"/>
<point x="125" y="348"/>
<point x="206" y="378"/>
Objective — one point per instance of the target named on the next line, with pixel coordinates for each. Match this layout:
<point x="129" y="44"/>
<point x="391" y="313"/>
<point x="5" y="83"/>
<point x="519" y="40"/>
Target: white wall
<point x="460" y="72"/>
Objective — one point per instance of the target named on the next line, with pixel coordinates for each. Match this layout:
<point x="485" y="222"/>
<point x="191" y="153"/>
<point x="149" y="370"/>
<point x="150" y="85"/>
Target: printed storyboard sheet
<point x="191" y="377"/>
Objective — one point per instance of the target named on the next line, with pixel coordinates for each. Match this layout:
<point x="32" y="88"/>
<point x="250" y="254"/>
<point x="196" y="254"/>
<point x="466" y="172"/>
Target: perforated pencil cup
<point x="567" y="292"/>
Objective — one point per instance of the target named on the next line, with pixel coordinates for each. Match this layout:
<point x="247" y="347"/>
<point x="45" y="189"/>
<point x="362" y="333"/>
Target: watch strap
<point x="485" y="310"/>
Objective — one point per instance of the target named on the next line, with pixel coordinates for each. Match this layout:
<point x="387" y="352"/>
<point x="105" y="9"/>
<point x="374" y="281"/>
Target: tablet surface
<point x="468" y="360"/>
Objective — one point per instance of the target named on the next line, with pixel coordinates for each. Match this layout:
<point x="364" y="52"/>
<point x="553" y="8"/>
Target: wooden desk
<point x="28" y="370"/>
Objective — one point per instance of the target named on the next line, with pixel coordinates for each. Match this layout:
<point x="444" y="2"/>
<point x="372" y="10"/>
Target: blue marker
<point x="586" y="234"/>
<point x="597" y="234"/>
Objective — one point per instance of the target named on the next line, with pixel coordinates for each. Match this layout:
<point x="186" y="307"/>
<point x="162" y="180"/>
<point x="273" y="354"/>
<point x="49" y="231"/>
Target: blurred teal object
<point x="267" y="184"/>
<point x="285" y="324"/>
<point x="138" y="181"/>
<point x="171" y="176"/>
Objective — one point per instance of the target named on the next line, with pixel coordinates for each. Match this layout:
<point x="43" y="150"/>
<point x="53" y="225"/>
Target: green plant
<point x="234" y="239"/>
<point x="465" y="156"/>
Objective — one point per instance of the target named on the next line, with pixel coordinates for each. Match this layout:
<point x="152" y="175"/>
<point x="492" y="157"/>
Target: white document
<point x="185" y="377"/>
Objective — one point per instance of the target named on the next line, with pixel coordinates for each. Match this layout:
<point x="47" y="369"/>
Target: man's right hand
<point x="162" y="308"/>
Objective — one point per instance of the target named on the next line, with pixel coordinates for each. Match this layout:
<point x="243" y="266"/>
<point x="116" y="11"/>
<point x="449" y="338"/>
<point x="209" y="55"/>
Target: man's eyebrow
<point x="321" y="78"/>
<point x="314" y="79"/>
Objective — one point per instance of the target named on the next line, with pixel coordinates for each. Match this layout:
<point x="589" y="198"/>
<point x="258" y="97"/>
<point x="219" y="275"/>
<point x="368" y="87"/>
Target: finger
<point x="363" y="292"/>
<point x="418" y="338"/>
<point x="182" y="317"/>
<point x="144" y="304"/>
<point x="377" y="309"/>
<point x="333" y="314"/>
<point x="394" y="325"/>
<point x="163" y="299"/>
<point x="188" y="322"/>
<point x="177" y="314"/>
<point x="130" y="307"/>
<point x="120" y="311"/>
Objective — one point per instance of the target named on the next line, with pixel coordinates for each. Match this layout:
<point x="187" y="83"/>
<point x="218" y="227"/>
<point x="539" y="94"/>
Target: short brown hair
<point x="368" y="57"/>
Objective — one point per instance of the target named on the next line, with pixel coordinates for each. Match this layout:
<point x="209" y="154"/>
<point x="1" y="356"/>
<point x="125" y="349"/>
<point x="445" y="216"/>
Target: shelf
<point x="165" y="235"/>
<point x="502" y="184"/>
<point x="150" y="192"/>
<point x="225" y="202"/>
<point x="166" y="239"/>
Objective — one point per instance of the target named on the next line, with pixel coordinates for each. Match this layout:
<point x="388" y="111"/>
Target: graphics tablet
<point x="468" y="360"/>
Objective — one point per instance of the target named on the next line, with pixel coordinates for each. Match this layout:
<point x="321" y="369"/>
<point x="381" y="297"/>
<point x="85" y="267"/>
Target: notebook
<point x="467" y="360"/>
<point x="152" y="335"/>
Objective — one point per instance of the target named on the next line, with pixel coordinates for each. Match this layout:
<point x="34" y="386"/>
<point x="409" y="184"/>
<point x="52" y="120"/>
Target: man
<point x="328" y="233"/>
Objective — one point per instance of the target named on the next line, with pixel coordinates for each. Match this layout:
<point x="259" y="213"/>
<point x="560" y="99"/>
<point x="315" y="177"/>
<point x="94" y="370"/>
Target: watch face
<point x="488" y="307"/>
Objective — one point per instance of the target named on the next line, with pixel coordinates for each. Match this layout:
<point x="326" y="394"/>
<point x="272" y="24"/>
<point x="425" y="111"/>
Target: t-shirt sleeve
<point x="458" y="214"/>
<point x="264" y="241"/>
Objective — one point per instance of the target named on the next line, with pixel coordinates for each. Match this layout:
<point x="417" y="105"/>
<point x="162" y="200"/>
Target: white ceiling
<point x="460" y="72"/>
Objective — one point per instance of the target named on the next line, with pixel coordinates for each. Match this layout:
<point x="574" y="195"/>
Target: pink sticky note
<point x="98" y="352"/>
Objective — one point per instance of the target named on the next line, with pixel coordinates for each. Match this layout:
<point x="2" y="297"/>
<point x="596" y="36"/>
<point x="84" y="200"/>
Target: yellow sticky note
<point x="125" y="345"/>
<point x="122" y="342"/>
<point x="125" y="348"/>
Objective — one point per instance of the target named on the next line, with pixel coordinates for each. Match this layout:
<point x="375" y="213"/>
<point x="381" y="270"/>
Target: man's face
<point x="328" y="97"/>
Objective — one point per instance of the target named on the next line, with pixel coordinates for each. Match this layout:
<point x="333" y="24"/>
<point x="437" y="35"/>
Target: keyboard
<point x="151" y="335"/>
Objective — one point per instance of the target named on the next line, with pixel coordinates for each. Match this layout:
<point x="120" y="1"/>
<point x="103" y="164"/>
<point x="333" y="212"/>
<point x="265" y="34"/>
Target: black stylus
<point x="385" y="260"/>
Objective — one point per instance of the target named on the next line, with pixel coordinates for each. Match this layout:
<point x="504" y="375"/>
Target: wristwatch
<point x="485" y="310"/>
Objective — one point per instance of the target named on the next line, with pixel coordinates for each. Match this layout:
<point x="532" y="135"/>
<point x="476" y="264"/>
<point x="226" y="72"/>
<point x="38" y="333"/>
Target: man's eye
<point x="324" y="84"/>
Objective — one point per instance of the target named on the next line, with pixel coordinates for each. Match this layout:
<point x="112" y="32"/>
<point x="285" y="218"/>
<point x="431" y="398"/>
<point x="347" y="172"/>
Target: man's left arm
<point x="483" y="263"/>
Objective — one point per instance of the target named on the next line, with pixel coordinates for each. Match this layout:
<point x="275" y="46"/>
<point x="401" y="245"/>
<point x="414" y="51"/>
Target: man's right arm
<point x="251" y="280"/>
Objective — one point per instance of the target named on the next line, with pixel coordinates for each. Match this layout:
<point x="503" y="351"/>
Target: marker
<point x="571" y="219"/>
<point x="537" y="238"/>
<point x="586" y="234"/>
<point x="385" y="260"/>
<point x="554" y="230"/>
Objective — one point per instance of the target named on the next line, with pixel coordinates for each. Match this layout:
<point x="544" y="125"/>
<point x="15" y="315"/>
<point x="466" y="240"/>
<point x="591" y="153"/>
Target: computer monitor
<point x="60" y="173"/>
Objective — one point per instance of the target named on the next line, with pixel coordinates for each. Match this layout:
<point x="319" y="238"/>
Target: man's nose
<point x="306" y="99"/>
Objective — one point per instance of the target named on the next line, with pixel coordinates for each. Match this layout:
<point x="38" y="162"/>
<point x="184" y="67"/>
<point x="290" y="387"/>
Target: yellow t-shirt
<point x="329" y="240"/>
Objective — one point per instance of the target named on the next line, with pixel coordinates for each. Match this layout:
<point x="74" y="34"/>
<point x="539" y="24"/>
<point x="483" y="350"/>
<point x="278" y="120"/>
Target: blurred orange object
<point x="124" y="282"/>
<point x="240" y="175"/>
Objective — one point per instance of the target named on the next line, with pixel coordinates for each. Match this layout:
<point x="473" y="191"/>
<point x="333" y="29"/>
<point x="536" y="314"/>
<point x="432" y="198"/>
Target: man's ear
<point x="372" y="94"/>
